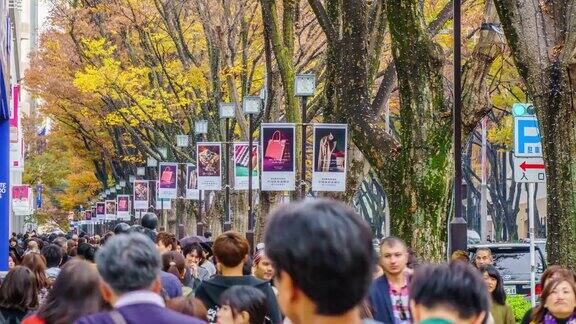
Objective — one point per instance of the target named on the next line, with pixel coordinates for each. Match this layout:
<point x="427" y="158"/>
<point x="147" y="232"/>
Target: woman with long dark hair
<point x="18" y="294"/>
<point x="501" y="312"/>
<point x="74" y="294"/>
<point x="557" y="303"/>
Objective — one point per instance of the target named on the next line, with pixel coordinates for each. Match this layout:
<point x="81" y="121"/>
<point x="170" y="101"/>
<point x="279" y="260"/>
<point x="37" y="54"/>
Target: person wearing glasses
<point x="389" y="295"/>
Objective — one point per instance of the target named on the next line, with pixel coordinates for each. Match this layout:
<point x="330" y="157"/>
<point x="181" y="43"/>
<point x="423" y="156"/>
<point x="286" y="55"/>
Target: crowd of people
<point x="317" y="264"/>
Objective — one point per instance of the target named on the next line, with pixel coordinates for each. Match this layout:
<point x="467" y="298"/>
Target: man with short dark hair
<point x="53" y="255"/>
<point x="483" y="257"/>
<point x="449" y="294"/>
<point x="231" y="252"/>
<point x="323" y="254"/>
<point x="389" y="294"/>
<point x="129" y="266"/>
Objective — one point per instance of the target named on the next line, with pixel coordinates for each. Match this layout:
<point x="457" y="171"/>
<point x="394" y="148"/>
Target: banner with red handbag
<point x="275" y="147"/>
<point x="168" y="188"/>
<point x="278" y="160"/>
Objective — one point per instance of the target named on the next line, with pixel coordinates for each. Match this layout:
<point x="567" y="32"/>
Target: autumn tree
<point x="413" y="164"/>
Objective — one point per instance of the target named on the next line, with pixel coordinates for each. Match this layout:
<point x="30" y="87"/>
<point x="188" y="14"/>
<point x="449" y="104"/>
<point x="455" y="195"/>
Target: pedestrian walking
<point x="74" y="294"/>
<point x="37" y="263"/>
<point x="166" y="242"/>
<point x="16" y="249"/>
<point x="552" y="272"/>
<point x="32" y="247"/>
<point x="231" y="252"/>
<point x="557" y="303"/>
<point x="452" y="293"/>
<point x="129" y="265"/>
<point x="460" y="256"/>
<point x="173" y="263"/>
<point x="483" y="257"/>
<point x="501" y="312"/>
<point x="262" y="267"/>
<point x="53" y="256"/>
<point x="389" y="294"/>
<point x="242" y="305"/>
<point x="324" y="274"/>
<point x="18" y="295"/>
<point x="12" y="260"/>
<point x="195" y="273"/>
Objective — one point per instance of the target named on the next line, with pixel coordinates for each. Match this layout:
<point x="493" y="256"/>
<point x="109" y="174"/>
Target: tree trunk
<point x="423" y="167"/>
<point x="542" y="39"/>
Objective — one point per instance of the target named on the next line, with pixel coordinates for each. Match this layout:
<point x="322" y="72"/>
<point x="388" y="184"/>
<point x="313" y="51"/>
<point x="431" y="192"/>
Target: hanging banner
<point x="21" y="200"/>
<point x="209" y="166"/>
<point x="330" y="148"/>
<point x="192" y="191"/>
<point x="110" y="210"/>
<point x="38" y="196"/>
<point x="162" y="204"/>
<point x="141" y="194"/>
<point x="168" y="180"/>
<point x="100" y="211"/>
<point x="16" y="142"/>
<point x="88" y="215"/>
<point x="278" y="157"/>
<point x="123" y="207"/>
<point x="241" y="158"/>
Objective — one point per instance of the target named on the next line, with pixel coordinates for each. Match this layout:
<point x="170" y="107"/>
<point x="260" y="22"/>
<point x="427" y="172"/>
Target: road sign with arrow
<point x="529" y="170"/>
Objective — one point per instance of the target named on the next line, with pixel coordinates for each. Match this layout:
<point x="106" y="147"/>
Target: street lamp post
<point x="458" y="226"/>
<point x="150" y="163"/>
<point x="251" y="106"/>
<point x="163" y="156"/>
<point x="182" y="141"/>
<point x="200" y="128"/>
<point x="304" y="87"/>
<point x="226" y="111"/>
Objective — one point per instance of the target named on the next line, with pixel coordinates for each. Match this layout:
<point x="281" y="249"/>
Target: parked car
<point x="513" y="262"/>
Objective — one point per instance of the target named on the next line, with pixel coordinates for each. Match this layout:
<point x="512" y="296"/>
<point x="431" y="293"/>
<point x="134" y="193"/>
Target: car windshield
<point x="515" y="262"/>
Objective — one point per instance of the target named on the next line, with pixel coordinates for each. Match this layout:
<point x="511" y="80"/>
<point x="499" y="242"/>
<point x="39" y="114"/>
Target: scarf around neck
<point x="549" y="319"/>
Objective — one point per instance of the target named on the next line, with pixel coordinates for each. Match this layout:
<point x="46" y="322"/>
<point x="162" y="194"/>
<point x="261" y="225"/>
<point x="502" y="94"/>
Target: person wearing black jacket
<point x="16" y="249"/>
<point x="231" y="252"/>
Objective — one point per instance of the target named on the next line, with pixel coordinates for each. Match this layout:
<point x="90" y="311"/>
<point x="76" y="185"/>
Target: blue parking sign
<point x="527" y="140"/>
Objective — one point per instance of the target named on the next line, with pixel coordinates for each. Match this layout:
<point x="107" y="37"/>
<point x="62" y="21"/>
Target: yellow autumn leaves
<point x="142" y="94"/>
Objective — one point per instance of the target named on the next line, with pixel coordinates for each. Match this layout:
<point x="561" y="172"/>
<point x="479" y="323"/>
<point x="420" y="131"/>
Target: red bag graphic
<point x="275" y="147"/>
<point x="167" y="177"/>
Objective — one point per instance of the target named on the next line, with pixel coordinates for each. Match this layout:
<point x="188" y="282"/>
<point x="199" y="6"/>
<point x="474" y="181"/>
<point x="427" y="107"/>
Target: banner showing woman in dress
<point x="209" y="166"/>
<point x="123" y="203"/>
<point x="162" y="203"/>
<point x="278" y="160"/>
<point x="168" y="180"/>
<point x="192" y="191"/>
<point x="110" y="210"/>
<point x="241" y="159"/>
<point x="330" y="148"/>
<point x="100" y="211"/>
<point x="141" y="194"/>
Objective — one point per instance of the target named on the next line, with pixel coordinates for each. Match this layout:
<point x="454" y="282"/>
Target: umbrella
<point x="192" y="239"/>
